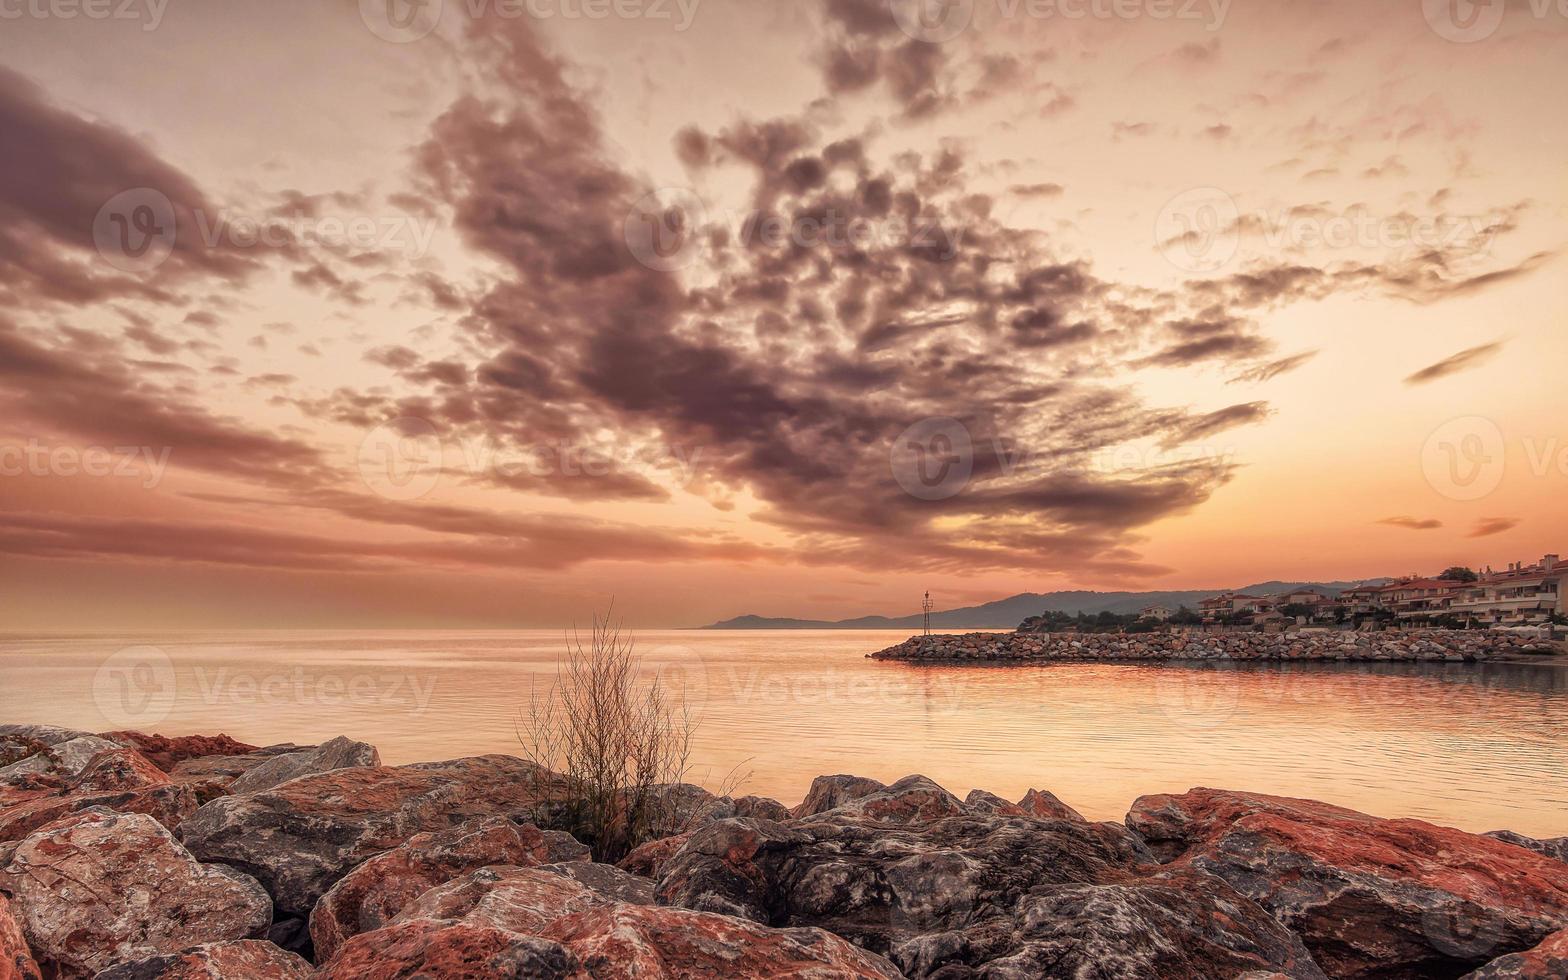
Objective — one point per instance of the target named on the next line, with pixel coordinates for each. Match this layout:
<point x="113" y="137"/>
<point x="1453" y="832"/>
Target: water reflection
<point x="1477" y="746"/>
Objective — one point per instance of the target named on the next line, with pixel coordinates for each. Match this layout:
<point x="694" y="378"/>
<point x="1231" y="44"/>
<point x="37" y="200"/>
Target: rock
<point x="649" y="942"/>
<point x="1039" y="803"/>
<point x="828" y="792"/>
<point x="649" y="859"/>
<point x="606" y="880"/>
<point x="166" y="753"/>
<point x="1369" y="897"/>
<point x="16" y="960"/>
<point x="224" y="769"/>
<point x="19" y="741"/>
<point x="372" y="894"/>
<point x="1185" y="926"/>
<point x="911" y="799"/>
<point x="299" y="838"/>
<point x="535" y="923"/>
<point x="979" y="801"/>
<point x="62" y="759"/>
<point x="881" y="883"/>
<point x="116" y="770"/>
<point x="100" y="888"/>
<point x="1548" y="961"/>
<point x="340" y="753"/>
<point x="246" y="959"/>
<point x="169" y="804"/>
<point x="425" y="949"/>
<point x="1555" y="847"/>
<point x="761" y="806"/>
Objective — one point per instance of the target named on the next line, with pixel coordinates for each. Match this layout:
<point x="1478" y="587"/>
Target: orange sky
<point x="1162" y="300"/>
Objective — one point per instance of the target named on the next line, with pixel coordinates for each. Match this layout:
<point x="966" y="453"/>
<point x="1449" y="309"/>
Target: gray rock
<point x="340" y="753"/>
<point x="1554" y="847"/>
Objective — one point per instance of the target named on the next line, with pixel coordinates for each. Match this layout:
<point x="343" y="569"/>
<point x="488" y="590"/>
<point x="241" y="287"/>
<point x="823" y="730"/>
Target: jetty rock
<point x="1427" y="646"/>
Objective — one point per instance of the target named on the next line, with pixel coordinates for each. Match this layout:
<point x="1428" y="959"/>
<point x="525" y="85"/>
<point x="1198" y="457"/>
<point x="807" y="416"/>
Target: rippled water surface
<point x="1478" y="746"/>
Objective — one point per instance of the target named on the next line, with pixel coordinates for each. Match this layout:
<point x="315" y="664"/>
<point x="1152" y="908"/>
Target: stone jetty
<point x="1427" y="646"/>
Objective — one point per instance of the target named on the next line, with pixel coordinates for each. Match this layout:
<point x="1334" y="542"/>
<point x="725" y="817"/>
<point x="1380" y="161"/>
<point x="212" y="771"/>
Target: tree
<point x="1186" y="617"/>
<point x="1294" y="609"/>
<point x="1459" y="573"/>
<point x="618" y="742"/>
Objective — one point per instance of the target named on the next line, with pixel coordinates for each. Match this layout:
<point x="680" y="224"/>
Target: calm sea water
<point x="1478" y="747"/>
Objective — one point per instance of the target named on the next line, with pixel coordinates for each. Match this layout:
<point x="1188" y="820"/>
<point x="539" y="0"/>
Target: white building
<point x="1518" y="595"/>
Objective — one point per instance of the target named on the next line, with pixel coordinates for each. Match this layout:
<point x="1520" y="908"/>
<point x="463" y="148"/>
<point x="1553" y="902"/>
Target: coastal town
<point x="1522" y="594"/>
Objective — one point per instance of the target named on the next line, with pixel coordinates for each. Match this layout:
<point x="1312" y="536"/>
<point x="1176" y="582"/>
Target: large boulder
<point x="339" y="753"/>
<point x="20" y="741"/>
<point x="1183" y="926"/>
<point x="372" y="894"/>
<point x="1370" y="897"/>
<point x="166" y="752"/>
<point x="1548" y="961"/>
<point x="540" y="923"/>
<point x="168" y="803"/>
<point x="245" y="959"/>
<point x="1040" y="803"/>
<point x="16" y="960"/>
<point x="62" y="759"/>
<point x="100" y="888"/>
<point x="224" y="769"/>
<point x="828" y="792"/>
<point x="1554" y="847"/>
<point x="953" y="890"/>
<point x="299" y="838"/>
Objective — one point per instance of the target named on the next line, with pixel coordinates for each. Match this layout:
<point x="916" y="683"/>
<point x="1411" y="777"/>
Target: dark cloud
<point x="1216" y="422"/>
<point x="1412" y="523"/>
<point x="1273" y="369"/>
<point x="1488" y="526"/>
<point x="1463" y="361"/>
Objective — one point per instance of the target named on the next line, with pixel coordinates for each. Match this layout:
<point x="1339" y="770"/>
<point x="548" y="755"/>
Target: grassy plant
<point x="617" y="738"/>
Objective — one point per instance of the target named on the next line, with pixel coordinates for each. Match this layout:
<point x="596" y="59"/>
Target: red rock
<point x="166" y="752"/>
<point x="224" y="769"/>
<point x="101" y="888"/>
<point x="169" y="804"/>
<point x="649" y="859"/>
<point x="1370" y="897"/>
<point x="559" y="927"/>
<point x="372" y="894"/>
<point x="299" y="838"/>
<point x="911" y="799"/>
<point x="641" y="941"/>
<point x="828" y="792"/>
<point x="449" y="951"/>
<point x="979" y="801"/>
<point x="1039" y="803"/>
<point x="116" y="770"/>
<point x="1548" y="961"/>
<point x="16" y="961"/>
<point x="245" y="959"/>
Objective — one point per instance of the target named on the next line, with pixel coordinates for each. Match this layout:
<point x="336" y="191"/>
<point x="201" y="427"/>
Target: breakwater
<point x="1431" y="646"/>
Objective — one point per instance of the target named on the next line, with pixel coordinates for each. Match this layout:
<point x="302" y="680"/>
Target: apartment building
<point x="1516" y="596"/>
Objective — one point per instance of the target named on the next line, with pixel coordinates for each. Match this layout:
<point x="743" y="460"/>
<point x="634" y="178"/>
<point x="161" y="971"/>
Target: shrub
<point x="619" y="741"/>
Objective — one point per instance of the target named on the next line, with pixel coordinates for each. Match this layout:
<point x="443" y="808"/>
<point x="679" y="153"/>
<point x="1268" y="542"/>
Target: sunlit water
<point x="1479" y="746"/>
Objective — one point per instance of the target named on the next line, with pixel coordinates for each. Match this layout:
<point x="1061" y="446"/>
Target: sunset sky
<point x="484" y="312"/>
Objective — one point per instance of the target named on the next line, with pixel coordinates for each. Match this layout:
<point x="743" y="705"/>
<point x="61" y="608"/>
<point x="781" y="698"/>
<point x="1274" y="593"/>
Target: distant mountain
<point x="1008" y="613"/>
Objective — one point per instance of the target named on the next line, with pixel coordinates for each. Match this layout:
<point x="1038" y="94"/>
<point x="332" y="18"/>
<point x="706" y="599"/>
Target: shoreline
<point x="128" y="856"/>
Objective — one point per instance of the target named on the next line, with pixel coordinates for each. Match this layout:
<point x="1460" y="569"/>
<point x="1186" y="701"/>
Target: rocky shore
<point x="126" y="856"/>
<point x="1430" y="646"/>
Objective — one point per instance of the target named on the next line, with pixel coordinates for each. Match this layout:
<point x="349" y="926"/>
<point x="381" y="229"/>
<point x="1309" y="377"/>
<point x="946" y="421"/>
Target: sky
<point x="483" y="313"/>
